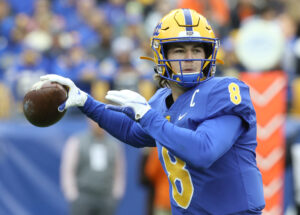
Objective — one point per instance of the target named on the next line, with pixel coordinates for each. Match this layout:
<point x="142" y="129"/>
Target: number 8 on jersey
<point x="235" y="96"/>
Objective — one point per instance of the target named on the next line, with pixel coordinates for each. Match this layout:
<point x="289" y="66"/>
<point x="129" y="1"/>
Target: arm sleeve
<point x="117" y="124"/>
<point x="200" y="148"/>
<point x="223" y="104"/>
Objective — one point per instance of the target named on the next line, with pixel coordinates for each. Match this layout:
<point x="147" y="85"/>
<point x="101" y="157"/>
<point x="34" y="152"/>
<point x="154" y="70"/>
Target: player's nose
<point x="189" y="55"/>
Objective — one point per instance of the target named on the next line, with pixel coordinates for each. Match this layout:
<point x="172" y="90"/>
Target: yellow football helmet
<point x="184" y="25"/>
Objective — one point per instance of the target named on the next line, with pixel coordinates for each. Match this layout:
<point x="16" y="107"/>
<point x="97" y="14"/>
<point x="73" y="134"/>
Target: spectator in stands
<point x="291" y="64"/>
<point x="118" y="69"/>
<point x="25" y="72"/>
<point x="121" y="70"/>
<point x="102" y="50"/>
<point x="89" y="18"/>
<point x="115" y="13"/>
<point x="6" y="26"/>
<point x="6" y="20"/>
<point x="18" y="32"/>
<point x="77" y="65"/>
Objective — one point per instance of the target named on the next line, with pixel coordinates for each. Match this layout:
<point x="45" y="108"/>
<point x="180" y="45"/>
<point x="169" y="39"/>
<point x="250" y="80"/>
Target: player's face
<point x="185" y="51"/>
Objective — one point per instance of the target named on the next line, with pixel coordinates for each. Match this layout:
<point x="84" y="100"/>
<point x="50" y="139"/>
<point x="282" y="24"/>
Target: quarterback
<point x="204" y="127"/>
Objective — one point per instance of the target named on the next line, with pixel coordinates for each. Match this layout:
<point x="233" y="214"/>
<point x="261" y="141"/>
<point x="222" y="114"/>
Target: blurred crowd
<point x="97" y="43"/>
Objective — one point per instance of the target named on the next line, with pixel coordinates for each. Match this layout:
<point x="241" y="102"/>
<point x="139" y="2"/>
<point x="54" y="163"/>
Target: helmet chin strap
<point x="206" y="63"/>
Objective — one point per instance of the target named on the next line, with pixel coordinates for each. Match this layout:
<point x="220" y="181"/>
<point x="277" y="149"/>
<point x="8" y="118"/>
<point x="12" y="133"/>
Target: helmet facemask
<point x="206" y="70"/>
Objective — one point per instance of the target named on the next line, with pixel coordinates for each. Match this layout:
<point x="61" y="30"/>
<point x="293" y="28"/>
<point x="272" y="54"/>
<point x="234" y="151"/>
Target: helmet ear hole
<point x="165" y="49"/>
<point x="207" y="49"/>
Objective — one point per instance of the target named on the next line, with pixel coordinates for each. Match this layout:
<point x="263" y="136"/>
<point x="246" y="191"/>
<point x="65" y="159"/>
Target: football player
<point x="204" y="127"/>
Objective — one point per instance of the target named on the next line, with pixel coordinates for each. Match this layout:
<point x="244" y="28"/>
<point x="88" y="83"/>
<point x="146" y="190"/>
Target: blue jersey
<point x="206" y="143"/>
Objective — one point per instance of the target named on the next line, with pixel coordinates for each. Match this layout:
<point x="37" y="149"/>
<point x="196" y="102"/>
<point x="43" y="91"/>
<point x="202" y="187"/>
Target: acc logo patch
<point x="157" y="29"/>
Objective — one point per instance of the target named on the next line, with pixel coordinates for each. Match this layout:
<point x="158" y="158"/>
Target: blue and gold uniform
<point x="211" y="170"/>
<point x="207" y="148"/>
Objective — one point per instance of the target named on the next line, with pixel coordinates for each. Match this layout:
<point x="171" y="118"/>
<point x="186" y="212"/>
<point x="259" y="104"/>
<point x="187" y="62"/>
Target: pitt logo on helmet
<point x="184" y="25"/>
<point x="157" y="29"/>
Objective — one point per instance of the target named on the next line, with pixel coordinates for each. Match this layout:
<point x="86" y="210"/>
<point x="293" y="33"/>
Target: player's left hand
<point x="131" y="103"/>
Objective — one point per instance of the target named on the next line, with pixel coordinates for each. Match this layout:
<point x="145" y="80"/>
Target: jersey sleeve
<point x="231" y="96"/>
<point x="117" y="124"/>
<point x="205" y="148"/>
<point x="229" y="111"/>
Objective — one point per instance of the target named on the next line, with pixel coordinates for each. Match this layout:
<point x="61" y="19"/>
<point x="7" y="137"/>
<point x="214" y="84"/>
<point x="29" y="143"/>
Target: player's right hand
<point x="76" y="97"/>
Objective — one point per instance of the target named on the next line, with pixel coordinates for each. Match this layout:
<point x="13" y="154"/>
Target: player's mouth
<point x="188" y="70"/>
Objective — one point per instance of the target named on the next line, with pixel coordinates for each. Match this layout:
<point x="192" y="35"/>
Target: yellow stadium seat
<point x="295" y="109"/>
<point x="6" y="101"/>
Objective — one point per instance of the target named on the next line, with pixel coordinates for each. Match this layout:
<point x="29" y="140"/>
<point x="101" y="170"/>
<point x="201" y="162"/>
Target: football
<point x="41" y="102"/>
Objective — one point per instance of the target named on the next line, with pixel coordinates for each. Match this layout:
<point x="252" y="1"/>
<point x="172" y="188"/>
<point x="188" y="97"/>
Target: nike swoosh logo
<point x="181" y="116"/>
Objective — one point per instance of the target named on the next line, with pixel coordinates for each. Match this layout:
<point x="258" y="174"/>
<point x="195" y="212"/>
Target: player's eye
<point x="198" y="50"/>
<point x="178" y="50"/>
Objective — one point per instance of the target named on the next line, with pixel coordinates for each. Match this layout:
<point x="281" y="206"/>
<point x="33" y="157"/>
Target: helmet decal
<point x="188" y="20"/>
<point x="157" y="29"/>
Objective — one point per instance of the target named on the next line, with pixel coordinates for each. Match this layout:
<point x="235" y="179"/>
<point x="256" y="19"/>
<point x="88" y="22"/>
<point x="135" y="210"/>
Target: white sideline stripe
<point x="261" y="99"/>
<point x="266" y="163"/>
<point x="274" y="211"/>
<point x="264" y="132"/>
<point x="273" y="187"/>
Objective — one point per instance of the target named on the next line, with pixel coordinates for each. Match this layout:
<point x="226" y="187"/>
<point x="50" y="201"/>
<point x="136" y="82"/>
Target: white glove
<point x="76" y="97"/>
<point x="131" y="103"/>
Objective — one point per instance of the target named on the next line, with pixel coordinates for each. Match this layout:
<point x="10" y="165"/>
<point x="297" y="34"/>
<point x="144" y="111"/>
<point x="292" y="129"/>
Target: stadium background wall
<point x="29" y="169"/>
